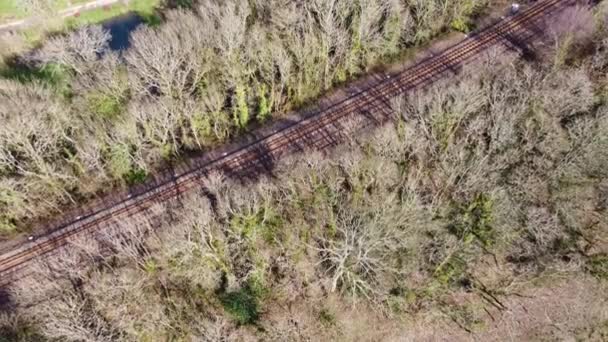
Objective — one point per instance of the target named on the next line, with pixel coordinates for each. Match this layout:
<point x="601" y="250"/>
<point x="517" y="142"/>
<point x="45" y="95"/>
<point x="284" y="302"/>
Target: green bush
<point x="264" y="223"/>
<point x="241" y="110"/>
<point x="597" y="265"/>
<point x="180" y="3"/>
<point x="451" y="271"/>
<point x="461" y="24"/>
<point x="52" y="74"/>
<point x="119" y="161"/>
<point x="264" y="107"/>
<point x="137" y="176"/>
<point x="242" y="305"/>
<point x="465" y="13"/>
<point x="473" y="221"/>
<point x="327" y="318"/>
<point x="106" y="106"/>
<point x="7" y="225"/>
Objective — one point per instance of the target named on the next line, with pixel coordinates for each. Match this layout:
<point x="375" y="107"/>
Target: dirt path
<point x="65" y="13"/>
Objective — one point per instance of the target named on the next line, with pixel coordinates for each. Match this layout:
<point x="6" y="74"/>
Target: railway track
<point x="319" y="130"/>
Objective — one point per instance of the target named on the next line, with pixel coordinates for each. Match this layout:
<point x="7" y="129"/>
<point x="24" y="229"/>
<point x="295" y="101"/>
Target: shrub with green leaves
<point x="108" y="107"/>
<point x="241" y="108"/>
<point x="242" y="305"/>
<point x="473" y="221"/>
<point x="137" y="176"/>
<point x="597" y="265"/>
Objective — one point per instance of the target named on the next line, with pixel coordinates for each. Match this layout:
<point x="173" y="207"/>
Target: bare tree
<point x="227" y="22"/>
<point x="176" y="69"/>
<point x="159" y="121"/>
<point x="72" y="318"/>
<point x="31" y="139"/>
<point x="333" y="35"/>
<point x="106" y="76"/>
<point x="567" y="93"/>
<point x="77" y="50"/>
<point x="377" y="30"/>
<point x="359" y="254"/>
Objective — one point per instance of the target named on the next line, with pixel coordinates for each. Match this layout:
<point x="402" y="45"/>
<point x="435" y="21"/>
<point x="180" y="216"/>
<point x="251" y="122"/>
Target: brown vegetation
<point x="464" y="213"/>
<point x="195" y="80"/>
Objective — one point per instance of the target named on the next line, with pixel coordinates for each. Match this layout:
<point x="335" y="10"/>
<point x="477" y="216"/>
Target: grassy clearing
<point x="144" y="8"/>
<point x="12" y="10"/>
<point x="34" y="35"/>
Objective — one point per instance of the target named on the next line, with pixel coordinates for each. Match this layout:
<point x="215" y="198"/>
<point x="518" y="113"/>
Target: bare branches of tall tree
<point x="76" y="50"/>
<point x="33" y="136"/>
<point x="176" y="69"/>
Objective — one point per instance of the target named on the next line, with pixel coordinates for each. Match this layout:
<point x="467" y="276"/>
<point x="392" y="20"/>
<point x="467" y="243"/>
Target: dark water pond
<point x="121" y="28"/>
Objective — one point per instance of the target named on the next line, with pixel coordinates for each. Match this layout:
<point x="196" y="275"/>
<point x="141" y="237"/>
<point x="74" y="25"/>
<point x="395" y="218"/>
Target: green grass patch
<point x="10" y="10"/>
<point x="94" y="16"/>
<point x="144" y="8"/>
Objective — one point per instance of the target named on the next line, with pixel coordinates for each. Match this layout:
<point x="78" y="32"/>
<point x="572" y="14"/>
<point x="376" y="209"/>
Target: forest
<point x="78" y="118"/>
<point x="478" y="213"/>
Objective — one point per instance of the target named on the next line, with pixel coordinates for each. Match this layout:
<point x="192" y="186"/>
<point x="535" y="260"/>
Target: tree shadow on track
<point x="251" y="165"/>
<point x="516" y="43"/>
